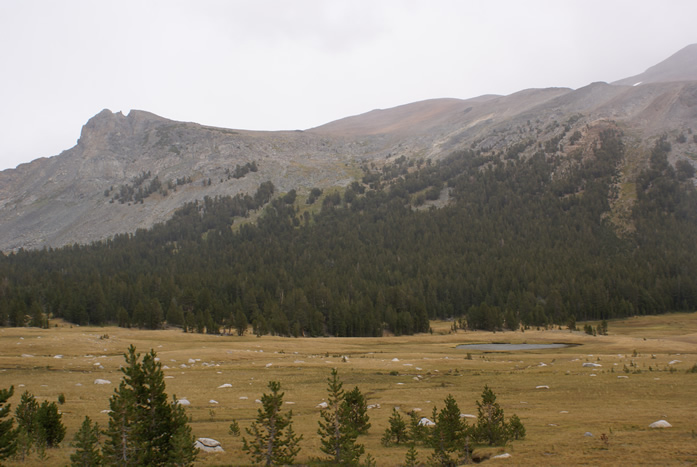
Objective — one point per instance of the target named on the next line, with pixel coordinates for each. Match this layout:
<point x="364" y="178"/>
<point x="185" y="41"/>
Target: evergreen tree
<point x="411" y="458"/>
<point x="27" y="424"/>
<point x="396" y="431"/>
<point x="144" y="429"/>
<point x="516" y="430"/>
<point x="355" y="410"/>
<point x="337" y="437"/>
<point x="51" y="428"/>
<point x="120" y="445"/>
<point x="417" y="431"/>
<point x="241" y="323"/>
<point x="450" y="435"/>
<point x="273" y="441"/>
<point x="8" y="435"/>
<point x="86" y="444"/>
<point x="491" y="427"/>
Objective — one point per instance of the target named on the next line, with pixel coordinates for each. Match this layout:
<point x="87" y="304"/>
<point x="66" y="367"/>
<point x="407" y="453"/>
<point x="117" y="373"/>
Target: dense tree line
<point x="523" y="241"/>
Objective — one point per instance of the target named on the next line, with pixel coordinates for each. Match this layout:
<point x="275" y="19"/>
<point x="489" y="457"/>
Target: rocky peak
<point x="106" y="125"/>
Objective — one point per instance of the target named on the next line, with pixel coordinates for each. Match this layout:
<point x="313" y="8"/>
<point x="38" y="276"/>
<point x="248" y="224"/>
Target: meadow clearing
<point x="644" y="377"/>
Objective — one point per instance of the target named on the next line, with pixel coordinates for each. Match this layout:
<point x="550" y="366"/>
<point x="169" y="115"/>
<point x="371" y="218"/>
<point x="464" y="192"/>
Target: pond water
<point x="511" y="346"/>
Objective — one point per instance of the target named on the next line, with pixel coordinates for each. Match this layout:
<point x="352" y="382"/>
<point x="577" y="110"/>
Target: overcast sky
<point x="296" y="64"/>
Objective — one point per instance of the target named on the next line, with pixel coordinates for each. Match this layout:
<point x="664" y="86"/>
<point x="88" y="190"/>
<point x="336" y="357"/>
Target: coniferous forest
<point x="520" y="242"/>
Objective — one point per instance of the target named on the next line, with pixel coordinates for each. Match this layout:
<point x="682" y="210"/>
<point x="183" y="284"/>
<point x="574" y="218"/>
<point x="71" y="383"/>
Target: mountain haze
<point x="72" y="197"/>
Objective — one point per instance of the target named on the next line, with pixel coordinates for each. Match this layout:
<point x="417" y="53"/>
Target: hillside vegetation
<point x="495" y="239"/>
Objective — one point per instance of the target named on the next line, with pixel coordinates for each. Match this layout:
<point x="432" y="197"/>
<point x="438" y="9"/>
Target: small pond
<point x="510" y="347"/>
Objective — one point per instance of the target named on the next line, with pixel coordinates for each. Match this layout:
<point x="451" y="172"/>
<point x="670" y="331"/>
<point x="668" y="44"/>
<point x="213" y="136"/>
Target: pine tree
<point x="397" y="431"/>
<point x="8" y="436"/>
<point x="337" y="437"/>
<point x="241" y="323"/>
<point x="355" y="410"/>
<point x="120" y="446"/>
<point x="449" y="435"/>
<point x="516" y="430"/>
<point x="411" y="459"/>
<point x="273" y="441"/>
<point x="491" y="427"/>
<point x="51" y="428"/>
<point x="144" y="429"/>
<point x="86" y="444"/>
<point x="27" y="426"/>
<point x="417" y="431"/>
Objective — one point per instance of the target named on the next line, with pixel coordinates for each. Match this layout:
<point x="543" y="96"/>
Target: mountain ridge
<point x="69" y="198"/>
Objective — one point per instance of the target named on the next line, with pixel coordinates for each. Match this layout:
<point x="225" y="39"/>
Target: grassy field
<point x="636" y="385"/>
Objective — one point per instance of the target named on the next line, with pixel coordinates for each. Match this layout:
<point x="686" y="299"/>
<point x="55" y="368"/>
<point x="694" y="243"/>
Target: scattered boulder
<point x="588" y="433"/>
<point x="102" y="381"/>
<point x="212" y="401"/>
<point x="592" y="365"/>
<point x="542" y="387"/>
<point x="183" y="402"/>
<point x="323" y="405"/>
<point x="208" y="445"/>
<point x="661" y="424"/>
<point x="505" y="455"/>
<point x="395" y="359"/>
<point x="426" y="422"/>
<point x="226" y="385"/>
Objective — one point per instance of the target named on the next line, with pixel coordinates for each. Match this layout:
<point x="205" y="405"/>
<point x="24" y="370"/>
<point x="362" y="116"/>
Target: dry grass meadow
<point x="636" y="385"/>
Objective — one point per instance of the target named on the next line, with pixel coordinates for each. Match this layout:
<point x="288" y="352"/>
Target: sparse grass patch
<point x="429" y="368"/>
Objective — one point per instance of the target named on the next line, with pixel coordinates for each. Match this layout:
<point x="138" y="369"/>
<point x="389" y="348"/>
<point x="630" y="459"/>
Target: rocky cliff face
<point x="72" y="197"/>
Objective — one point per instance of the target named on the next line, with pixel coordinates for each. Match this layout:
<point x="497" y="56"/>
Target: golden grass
<point x="634" y="387"/>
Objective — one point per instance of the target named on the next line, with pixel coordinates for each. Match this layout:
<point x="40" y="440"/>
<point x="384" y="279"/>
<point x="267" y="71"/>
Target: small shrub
<point x="234" y="429"/>
<point x="61" y="398"/>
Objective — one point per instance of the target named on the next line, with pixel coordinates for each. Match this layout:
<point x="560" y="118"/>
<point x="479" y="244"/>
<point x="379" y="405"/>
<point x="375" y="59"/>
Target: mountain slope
<point x="681" y="66"/>
<point x="75" y="197"/>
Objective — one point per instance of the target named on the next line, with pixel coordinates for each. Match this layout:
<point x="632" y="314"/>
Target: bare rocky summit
<point x="71" y="198"/>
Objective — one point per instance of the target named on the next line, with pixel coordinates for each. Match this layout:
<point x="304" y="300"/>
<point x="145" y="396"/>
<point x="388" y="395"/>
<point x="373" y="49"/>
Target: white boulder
<point x="208" y="445"/>
<point x="102" y="381"/>
<point x="660" y="424"/>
